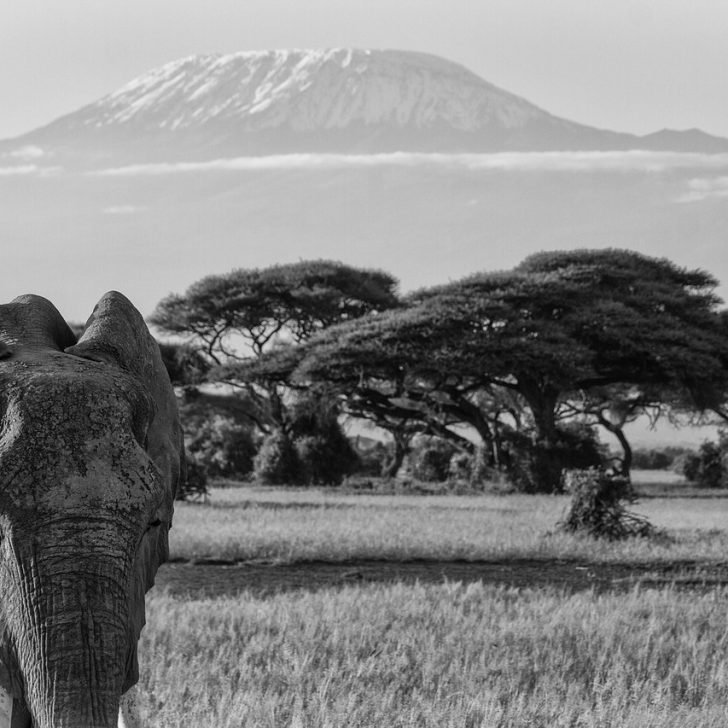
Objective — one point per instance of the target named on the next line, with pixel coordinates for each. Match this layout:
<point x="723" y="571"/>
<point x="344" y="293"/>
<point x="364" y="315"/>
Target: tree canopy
<point x="597" y="335"/>
<point x="246" y="311"/>
<point x="233" y="319"/>
<point x="557" y="324"/>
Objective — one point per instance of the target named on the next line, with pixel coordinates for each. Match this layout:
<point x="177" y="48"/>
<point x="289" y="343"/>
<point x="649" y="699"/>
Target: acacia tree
<point x="559" y="323"/>
<point x="236" y="317"/>
<point x="240" y="314"/>
<point x="615" y="406"/>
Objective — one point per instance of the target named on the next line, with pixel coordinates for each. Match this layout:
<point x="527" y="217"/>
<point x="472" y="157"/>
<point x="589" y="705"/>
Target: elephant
<point x="91" y="455"/>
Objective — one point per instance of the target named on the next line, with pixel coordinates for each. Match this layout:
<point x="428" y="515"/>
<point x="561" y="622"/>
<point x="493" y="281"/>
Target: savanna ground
<point x="305" y="608"/>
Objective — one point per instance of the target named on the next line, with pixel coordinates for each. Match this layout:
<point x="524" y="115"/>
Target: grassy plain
<point x="446" y="656"/>
<point x="289" y="525"/>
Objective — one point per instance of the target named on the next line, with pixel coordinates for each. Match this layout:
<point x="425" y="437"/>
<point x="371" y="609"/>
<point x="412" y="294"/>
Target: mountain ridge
<point x="335" y="100"/>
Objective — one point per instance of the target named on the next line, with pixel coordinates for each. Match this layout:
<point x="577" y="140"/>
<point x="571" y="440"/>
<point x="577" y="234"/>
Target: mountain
<point x="333" y="101"/>
<point x="72" y="228"/>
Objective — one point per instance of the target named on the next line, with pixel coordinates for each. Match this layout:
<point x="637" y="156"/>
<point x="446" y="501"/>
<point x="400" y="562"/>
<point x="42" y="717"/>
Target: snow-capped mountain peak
<point x="308" y="90"/>
<point x="335" y="100"/>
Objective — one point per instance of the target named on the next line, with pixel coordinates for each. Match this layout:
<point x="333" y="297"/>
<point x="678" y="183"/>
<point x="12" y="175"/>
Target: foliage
<point x="372" y="456"/>
<point x="277" y="461"/>
<point x="262" y="306"/>
<point x="708" y="468"/>
<point x="559" y="323"/>
<point x="311" y="449"/>
<point x="460" y="466"/>
<point x="597" y="506"/>
<point x="185" y="365"/>
<point x="226" y="448"/>
<point x="605" y="334"/>
<point x="218" y="432"/>
<point x="429" y="459"/>
<point x="662" y="458"/>
<point x="236" y="317"/>
<point x="473" y="468"/>
<point x="575" y="446"/>
<point x="324" y="452"/>
<point x="194" y="485"/>
<point x="614" y="406"/>
<point x="325" y="458"/>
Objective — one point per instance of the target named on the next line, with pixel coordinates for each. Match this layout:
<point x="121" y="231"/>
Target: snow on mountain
<point x="340" y="100"/>
<point x="308" y="91"/>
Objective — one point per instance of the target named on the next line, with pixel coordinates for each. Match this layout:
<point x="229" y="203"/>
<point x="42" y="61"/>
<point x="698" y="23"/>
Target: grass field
<point x="288" y="525"/>
<point x="451" y="654"/>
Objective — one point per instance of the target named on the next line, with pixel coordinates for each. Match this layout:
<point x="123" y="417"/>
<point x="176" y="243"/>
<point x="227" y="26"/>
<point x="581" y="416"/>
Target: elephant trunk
<point x="71" y="630"/>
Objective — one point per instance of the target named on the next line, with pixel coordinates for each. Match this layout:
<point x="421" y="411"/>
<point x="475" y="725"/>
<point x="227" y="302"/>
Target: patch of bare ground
<point x="213" y="578"/>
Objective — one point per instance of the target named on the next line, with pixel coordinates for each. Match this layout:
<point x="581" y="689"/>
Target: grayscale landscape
<point x="407" y="403"/>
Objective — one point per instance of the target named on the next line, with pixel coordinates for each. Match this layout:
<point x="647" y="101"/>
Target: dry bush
<point x="598" y="506"/>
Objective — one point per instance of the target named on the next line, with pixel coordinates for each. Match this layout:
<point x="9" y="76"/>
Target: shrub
<point x="217" y="433"/>
<point x="460" y="466"/>
<point x="430" y="459"/>
<point x="324" y="454"/>
<point x="194" y="483"/>
<point x="657" y="459"/>
<point x="473" y="469"/>
<point x="224" y="447"/>
<point x="277" y="462"/>
<point x="325" y="459"/>
<point x="481" y="472"/>
<point x="597" y="506"/>
<point x="534" y="466"/>
<point x="651" y="460"/>
<point x="372" y="457"/>
<point x="707" y="468"/>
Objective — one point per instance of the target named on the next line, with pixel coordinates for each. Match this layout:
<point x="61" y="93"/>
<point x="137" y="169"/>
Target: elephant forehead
<point x="108" y="474"/>
<point x="126" y="486"/>
<point x="64" y="393"/>
<point x="70" y="437"/>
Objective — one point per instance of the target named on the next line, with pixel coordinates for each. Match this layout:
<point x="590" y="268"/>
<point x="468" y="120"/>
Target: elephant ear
<point x="116" y="334"/>
<point x="32" y="322"/>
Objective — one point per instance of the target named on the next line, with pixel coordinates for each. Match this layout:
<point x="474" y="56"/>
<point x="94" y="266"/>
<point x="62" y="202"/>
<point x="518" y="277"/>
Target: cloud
<point x="122" y="209"/>
<point x="27" y="153"/>
<point x="27" y="169"/>
<point x="704" y="188"/>
<point x="632" y="161"/>
<point x="18" y="169"/>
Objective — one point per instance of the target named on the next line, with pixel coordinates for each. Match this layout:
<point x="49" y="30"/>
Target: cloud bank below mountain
<point x="630" y="161"/>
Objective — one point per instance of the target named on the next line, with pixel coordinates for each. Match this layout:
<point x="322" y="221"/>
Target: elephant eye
<point x="155" y="523"/>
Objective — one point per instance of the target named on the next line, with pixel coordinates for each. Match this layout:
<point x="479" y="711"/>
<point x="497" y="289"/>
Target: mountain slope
<point x="340" y="100"/>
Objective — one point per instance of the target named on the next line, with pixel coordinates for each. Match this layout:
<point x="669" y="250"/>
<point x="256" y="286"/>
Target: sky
<point x="628" y="65"/>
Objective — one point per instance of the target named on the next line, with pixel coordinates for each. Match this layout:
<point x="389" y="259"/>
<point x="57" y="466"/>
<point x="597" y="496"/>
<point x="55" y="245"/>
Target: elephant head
<point x="90" y="458"/>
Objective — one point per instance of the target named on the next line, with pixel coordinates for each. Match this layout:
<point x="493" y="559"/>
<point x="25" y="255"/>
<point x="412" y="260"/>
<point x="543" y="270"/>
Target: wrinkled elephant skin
<point x="90" y="453"/>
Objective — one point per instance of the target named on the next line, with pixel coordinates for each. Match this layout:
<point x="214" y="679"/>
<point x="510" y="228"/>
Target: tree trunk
<point x="473" y="415"/>
<point x="626" y="464"/>
<point x="399" y="452"/>
<point x="546" y="462"/>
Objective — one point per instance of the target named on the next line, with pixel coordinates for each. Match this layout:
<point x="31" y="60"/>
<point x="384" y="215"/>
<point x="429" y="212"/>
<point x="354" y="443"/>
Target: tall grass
<point x="440" y="656"/>
<point x="289" y="525"/>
